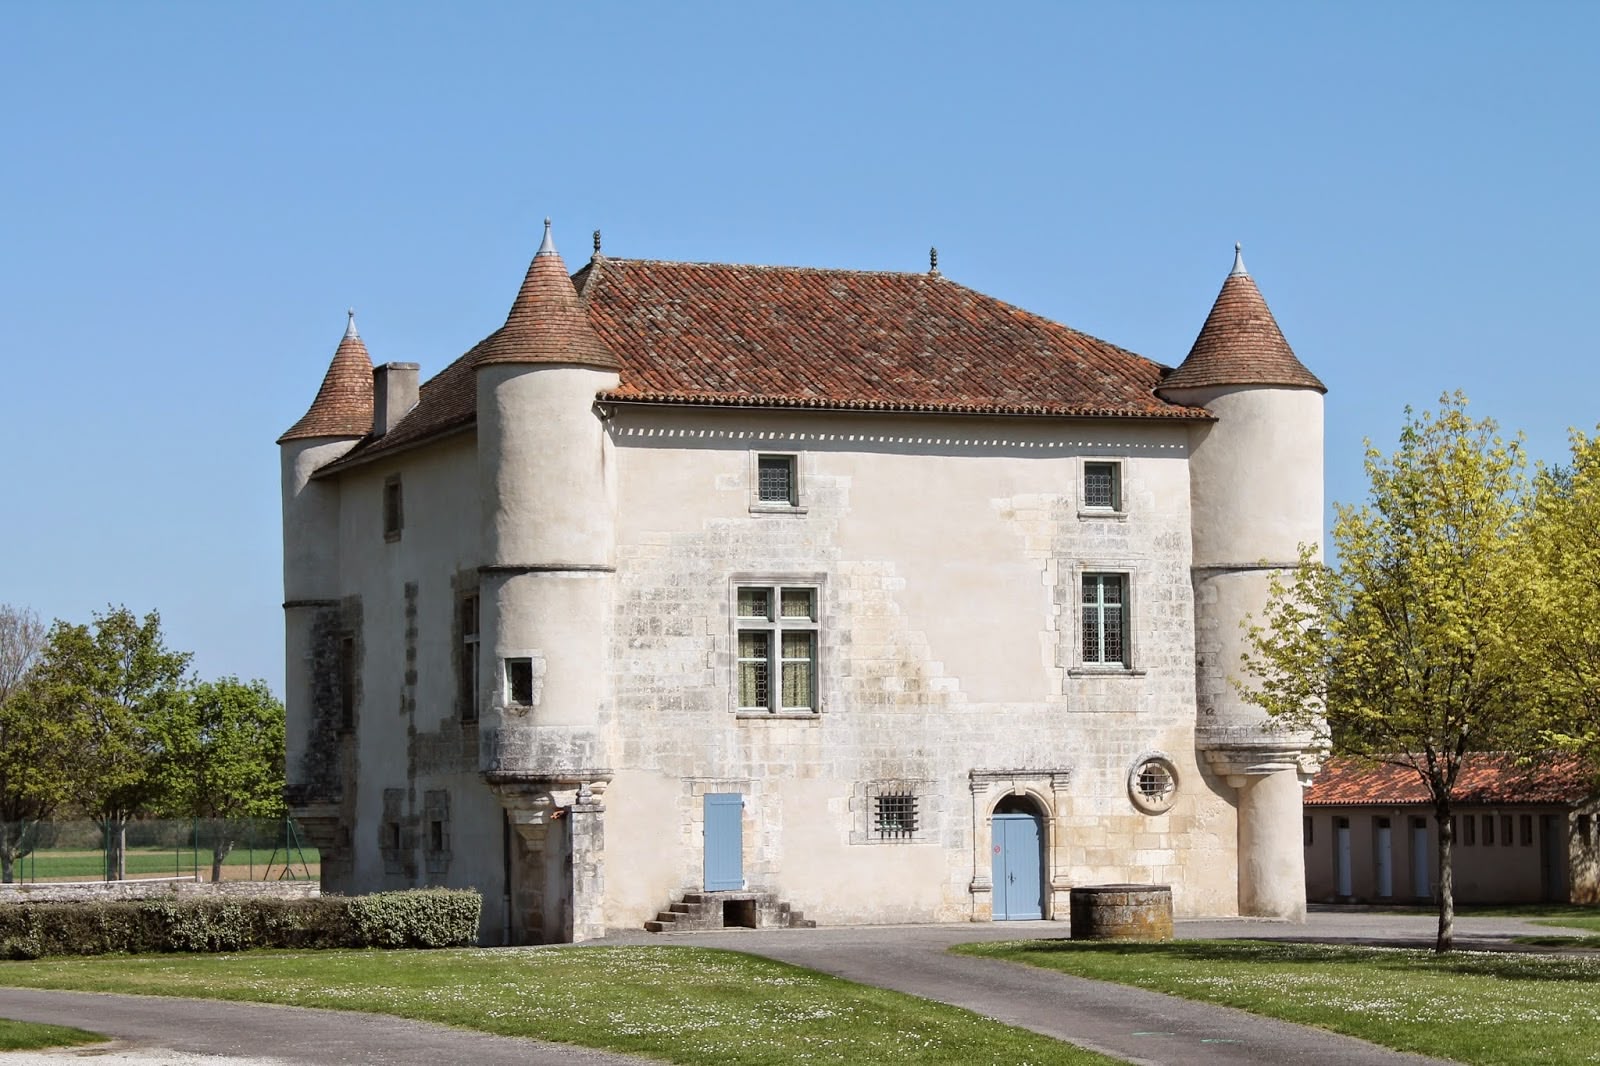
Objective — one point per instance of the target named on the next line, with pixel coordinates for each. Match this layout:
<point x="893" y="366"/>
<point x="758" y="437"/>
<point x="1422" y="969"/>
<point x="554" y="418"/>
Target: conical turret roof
<point x="1240" y="344"/>
<point x="547" y="323"/>
<point x="343" y="407"/>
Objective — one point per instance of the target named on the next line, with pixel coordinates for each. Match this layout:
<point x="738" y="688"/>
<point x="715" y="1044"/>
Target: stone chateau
<point x="709" y="593"/>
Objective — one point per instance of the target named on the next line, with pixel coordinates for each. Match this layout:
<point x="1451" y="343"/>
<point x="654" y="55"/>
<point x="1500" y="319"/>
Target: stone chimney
<point x="394" y="393"/>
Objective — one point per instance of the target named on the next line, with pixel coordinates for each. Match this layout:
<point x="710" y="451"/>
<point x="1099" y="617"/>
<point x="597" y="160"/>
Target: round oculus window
<point x="1153" y="784"/>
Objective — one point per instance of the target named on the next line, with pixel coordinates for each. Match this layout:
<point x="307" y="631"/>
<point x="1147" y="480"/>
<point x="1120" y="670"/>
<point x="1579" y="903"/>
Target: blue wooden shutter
<point x="724" y="859"/>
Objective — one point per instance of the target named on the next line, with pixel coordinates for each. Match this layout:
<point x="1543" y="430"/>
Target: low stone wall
<point x="153" y="888"/>
<point x="1122" y="912"/>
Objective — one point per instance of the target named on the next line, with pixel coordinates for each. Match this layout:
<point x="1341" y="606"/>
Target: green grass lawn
<point x="681" y="1004"/>
<point x="1473" y="1007"/>
<point x="27" y="1036"/>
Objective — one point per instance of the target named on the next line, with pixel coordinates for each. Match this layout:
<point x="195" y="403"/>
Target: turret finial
<point x="933" y="260"/>
<point x="1238" y="261"/>
<point x="547" y="246"/>
<point x="596" y="242"/>
<point x="350" y="326"/>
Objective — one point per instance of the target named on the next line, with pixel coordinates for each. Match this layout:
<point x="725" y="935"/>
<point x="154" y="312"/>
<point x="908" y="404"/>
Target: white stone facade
<point x="944" y="557"/>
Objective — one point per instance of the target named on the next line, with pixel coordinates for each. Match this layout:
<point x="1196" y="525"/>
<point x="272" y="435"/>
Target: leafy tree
<point x="35" y="747"/>
<point x="1408" y="650"/>
<point x="224" y="759"/>
<point x="1565" y="637"/>
<point x="118" y="684"/>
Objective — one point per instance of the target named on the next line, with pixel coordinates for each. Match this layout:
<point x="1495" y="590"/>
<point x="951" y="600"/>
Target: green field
<point x="1489" y="1009"/>
<point x="88" y="864"/>
<point x="680" y="1004"/>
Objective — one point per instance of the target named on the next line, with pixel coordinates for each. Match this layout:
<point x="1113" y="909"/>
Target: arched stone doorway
<point x="1017" y="834"/>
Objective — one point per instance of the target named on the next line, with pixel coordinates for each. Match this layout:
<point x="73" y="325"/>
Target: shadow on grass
<point x="1502" y="965"/>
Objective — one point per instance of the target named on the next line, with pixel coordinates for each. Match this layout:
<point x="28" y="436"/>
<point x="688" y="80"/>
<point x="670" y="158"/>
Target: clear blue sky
<point x="193" y="193"/>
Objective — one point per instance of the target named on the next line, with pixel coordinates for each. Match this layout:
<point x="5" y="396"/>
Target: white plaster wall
<point x="407" y="735"/>
<point x="949" y="554"/>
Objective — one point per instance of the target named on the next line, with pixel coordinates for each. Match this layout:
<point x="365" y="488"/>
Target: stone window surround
<point x="436" y="841"/>
<point x="1144" y="801"/>
<point x="864" y="804"/>
<point x="799" y="466"/>
<point x="394" y="513"/>
<point x="1120" y="474"/>
<point x="1072" y="630"/>
<point x="819" y="674"/>
<point x="468" y="655"/>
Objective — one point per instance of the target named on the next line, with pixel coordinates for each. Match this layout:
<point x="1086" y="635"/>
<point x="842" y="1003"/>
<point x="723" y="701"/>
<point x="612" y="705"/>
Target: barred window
<point x="1102" y="486"/>
<point x="775" y="480"/>
<point x="896" y="816"/>
<point x="777" y="637"/>
<point x="1105" y="619"/>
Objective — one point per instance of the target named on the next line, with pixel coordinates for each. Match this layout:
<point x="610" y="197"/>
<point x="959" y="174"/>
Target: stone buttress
<point x="1255" y="497"/>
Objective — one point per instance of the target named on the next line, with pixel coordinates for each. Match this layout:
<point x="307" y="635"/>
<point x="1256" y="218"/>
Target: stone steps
<point x="738" y="908"/>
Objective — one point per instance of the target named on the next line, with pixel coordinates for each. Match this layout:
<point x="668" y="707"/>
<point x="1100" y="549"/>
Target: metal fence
<point x="244" y="849"/>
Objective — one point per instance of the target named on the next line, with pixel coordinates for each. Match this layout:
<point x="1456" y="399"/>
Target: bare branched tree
<point x="21" y="639"/>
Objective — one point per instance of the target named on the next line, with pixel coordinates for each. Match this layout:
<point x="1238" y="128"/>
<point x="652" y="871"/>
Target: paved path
<point x="158" y="1031"/>
<point x="1146" y="1028"/>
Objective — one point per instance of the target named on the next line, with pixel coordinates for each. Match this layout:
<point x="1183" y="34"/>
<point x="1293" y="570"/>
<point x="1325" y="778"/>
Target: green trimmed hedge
<point x="424" y="918"/>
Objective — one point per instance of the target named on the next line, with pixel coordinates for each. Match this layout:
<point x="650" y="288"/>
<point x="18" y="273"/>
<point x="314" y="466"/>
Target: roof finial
<point x="596" y="242"/>
<point x="933" y="260"/>
<point x="350" y="327"/>
<point x="547" y="246"/>
<point x="1238" y="262"/>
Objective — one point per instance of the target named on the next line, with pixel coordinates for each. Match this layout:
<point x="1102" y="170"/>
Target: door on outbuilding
<point x="1018" y="860"/>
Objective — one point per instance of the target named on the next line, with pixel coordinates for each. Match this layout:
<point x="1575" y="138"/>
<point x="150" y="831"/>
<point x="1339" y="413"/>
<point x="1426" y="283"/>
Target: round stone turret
<point x="1255" y="496"/>
<point x="339" y="417"/>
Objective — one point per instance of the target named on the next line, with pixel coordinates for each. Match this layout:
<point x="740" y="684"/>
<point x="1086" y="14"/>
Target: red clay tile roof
<point x="1241" y="344"/>
<point x="710" y="333"/>
<point x="547" y="324"/>
<point x="343" y="407"/>
<point x="713" y="334"/>
<point x="1485" y="778"/>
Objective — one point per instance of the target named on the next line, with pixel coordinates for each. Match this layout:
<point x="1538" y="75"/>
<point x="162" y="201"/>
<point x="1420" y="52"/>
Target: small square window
<point x="1102" y="486"/>
<point x="775" y="480"/>
<point x="896" y="816"/>
<point x="519" y="681"/>
<point x="393" y="509"/>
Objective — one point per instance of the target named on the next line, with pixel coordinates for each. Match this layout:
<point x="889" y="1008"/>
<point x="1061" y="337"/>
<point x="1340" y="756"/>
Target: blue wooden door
<point x="1018" y="867"/>
<point x="724" y="841"/>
